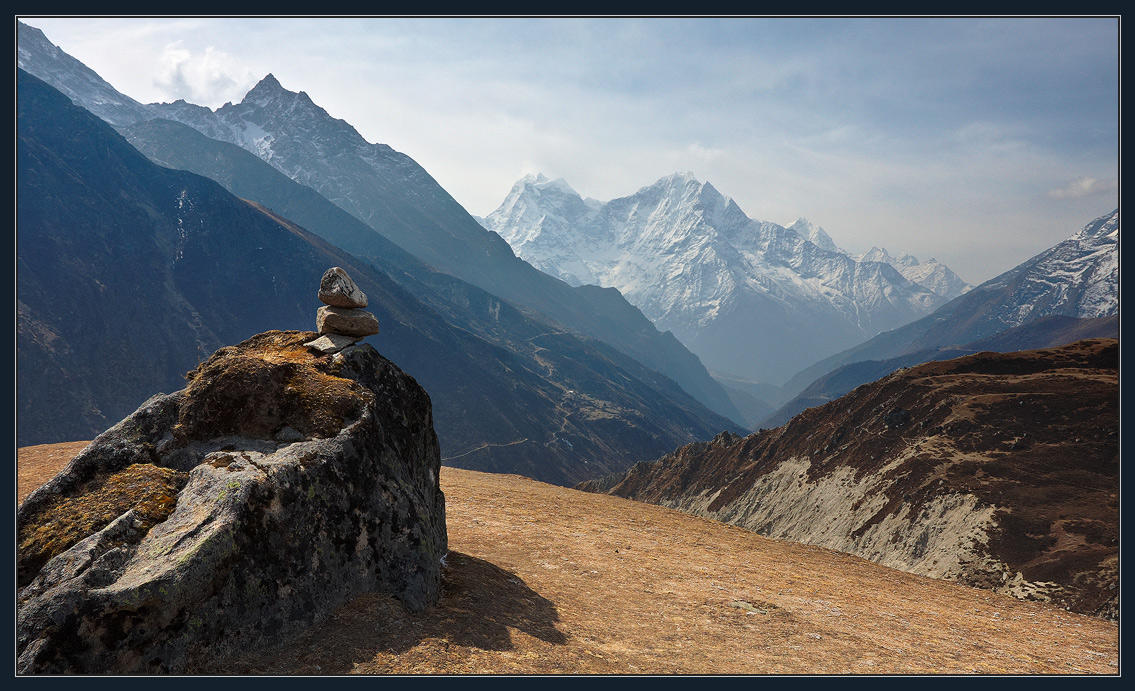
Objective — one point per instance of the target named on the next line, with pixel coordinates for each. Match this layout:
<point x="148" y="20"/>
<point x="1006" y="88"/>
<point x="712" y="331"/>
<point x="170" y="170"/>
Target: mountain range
<point x="1076" y="278"/>
<point x="207" y="269"/>
<point x="160" y="233"/>
<point x="394" y="196"/>
<point x="751" y="298"/>
<point x="683" y="252"/>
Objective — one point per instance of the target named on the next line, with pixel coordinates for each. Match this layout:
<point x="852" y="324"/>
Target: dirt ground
<point x="547" y="580"/>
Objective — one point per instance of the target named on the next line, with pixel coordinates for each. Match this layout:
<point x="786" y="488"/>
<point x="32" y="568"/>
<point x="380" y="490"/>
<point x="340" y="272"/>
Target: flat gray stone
<point x="345" y="322"/>
<point x="330" y="344"/>
<point x="338" y="290"/>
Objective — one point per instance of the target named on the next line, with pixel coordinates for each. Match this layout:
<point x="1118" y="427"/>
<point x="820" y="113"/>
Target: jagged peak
<point x="265" y="90"/>
<point x="678" y="178"/>
<point x="542" y="182"/>
<point x="802" y="226"/>
<point x="814" y="234"/>
<point x="269" y="82"/>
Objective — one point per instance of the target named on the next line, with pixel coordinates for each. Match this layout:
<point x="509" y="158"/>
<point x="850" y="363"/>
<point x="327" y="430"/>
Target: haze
<point x="979" y="142"/>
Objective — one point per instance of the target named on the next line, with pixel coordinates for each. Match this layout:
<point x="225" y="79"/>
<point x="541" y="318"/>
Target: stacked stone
<point x="342" y="321"/>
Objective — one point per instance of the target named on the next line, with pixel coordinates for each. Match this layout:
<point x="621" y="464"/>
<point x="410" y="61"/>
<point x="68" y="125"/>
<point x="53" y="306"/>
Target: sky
<point x="979" y="142"/>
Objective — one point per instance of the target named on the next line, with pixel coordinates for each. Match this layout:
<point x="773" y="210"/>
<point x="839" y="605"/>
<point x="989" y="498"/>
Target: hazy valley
<point x="763" y="454"/>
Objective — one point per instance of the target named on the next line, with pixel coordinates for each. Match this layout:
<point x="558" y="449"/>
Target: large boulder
<point x="234" y="513"/>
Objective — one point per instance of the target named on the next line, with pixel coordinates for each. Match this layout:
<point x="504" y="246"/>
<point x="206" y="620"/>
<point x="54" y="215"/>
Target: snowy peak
<point x="876" y="254"/>
<point x="269" y="93"/>
<point x="1078" y="277"/>
<point x="814" y="234"/>
<point x="265" y="87"/>
<point x="542" y="182"/>
<point x="931" y="275"/>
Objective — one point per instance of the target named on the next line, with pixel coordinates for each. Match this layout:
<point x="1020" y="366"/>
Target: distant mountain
<point x="753" y="299"/>
<point x="936" y="277"/>
<point x="1078" y="277"/>
<point x="400" y="201"/>
<point x="534" y="340"/>
<point x="392" y="194"/>
<point x="129" y="274"/>
<point x="999" y="471"/>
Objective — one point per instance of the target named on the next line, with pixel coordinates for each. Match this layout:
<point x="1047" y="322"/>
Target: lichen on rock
<point x="280" y="483"/>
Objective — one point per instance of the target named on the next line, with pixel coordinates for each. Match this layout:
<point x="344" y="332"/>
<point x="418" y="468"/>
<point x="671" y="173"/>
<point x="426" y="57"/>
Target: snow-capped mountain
<point x="751" y="298"/>
<point x="397" y="198"/>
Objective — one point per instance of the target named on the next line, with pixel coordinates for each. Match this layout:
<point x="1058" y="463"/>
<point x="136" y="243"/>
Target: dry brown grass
<point x="543" y="579"/>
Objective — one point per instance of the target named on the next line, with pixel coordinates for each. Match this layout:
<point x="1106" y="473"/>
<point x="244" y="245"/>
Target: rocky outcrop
<point x="229" y="515"/>
<point x="999" y="471"/>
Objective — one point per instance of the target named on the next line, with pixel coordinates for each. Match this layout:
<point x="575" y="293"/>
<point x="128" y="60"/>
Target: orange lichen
<point x="149" y="490"/>
<point x="264" y="383"/>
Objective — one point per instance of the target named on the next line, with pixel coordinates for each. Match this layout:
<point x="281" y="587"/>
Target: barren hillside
<point x="544" y="579"/>
<point x="998" y="470"/>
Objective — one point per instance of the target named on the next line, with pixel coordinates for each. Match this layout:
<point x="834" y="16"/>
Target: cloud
<point x="208" y="78"/>
<point x="1085" y="187"/>
<point x="704" y="153"/>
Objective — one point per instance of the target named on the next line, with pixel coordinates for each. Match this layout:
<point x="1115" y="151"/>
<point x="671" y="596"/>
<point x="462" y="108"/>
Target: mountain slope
<point x="751" y="298"/>
<point x="1078" y="277"/>
<point x="539" y="342"/>
<point x="40" y="57"/>
<point x="392" y="194"/>
<point x="996" y="470"/>
<point x="207" y="269"/>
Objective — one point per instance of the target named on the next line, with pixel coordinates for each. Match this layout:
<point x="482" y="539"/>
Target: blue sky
<point x="980" y="142"/>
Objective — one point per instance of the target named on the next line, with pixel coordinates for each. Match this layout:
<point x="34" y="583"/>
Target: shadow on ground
<point x="479" y="603"/>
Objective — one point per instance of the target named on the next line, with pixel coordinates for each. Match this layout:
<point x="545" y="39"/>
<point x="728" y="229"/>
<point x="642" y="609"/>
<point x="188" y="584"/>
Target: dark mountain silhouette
<point x="129" y="274"/>
<point x="1046" y="332"/>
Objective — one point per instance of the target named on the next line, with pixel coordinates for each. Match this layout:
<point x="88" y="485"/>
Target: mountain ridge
<point x="392" y="194"/>
<point x="1077" y="277"/>
<point x="996" y="470"/>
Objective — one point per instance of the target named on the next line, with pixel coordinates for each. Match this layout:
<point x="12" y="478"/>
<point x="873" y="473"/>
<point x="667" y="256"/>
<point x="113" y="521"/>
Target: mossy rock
<point x="149" y="490"/>
<point x="270" y="382"/>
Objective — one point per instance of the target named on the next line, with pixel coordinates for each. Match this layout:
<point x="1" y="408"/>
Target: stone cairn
<point x="342" y="321"/>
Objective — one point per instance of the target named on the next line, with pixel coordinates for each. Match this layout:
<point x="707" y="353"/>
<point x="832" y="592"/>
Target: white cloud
<point x="704" y="153"/>
<point x="209" y="78"/>
<point x="1085" y="187"/>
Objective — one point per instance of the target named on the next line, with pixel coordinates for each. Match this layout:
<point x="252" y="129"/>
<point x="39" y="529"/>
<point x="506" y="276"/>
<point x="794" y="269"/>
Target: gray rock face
<point x="338" y="290"/>
<point x="265" y="537"/>
<point x="345" y="322"/>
